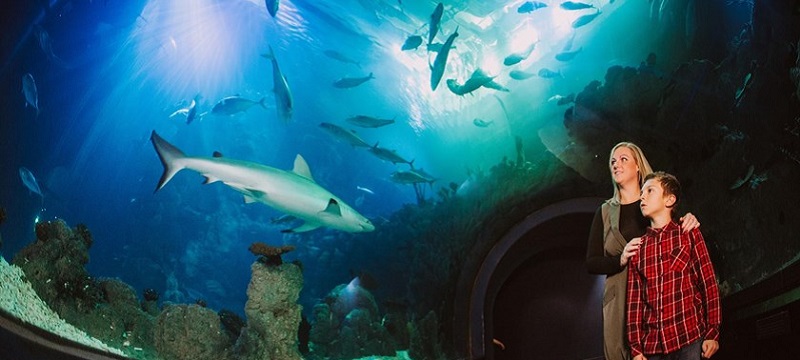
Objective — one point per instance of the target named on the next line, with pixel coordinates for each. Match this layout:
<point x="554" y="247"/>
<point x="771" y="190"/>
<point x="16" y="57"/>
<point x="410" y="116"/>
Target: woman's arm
<point x="596" y="260"/>
<point x="689" y="222"/>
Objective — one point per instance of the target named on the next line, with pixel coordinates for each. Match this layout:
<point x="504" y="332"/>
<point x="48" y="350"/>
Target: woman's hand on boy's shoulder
<point x="689" y="222"/>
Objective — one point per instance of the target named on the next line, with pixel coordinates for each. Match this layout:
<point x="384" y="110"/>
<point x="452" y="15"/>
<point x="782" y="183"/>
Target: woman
<point x="614" y="238"/>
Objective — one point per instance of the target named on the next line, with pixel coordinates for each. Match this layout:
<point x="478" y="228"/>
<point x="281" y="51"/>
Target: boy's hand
<point x="709" y="348"/>
<point x="689" y="222"/>
<point x="631" y="248"/>
<point x="639" y="357"/>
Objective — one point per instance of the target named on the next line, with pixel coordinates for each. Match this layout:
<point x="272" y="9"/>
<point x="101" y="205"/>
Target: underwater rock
<point x="54" y="264"/>
<point x="347" y="325"/>
<point x="190" y="332"/>
<point x="425" y="338"/>
<point x="232" y="323"/>
<point x="273" y="315"/>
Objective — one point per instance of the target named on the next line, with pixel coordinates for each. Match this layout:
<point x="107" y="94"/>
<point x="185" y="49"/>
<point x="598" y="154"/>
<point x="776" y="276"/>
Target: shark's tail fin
<point x="170" y="156"/>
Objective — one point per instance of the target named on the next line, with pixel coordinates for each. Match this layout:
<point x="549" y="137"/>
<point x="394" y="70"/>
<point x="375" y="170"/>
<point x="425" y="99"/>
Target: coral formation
<point x="347" y="325"/>
<point x="273" y="315"/>
<point x="18" y="298"/>
<point x="269" y="255"/>
<point x="191" y="332"/>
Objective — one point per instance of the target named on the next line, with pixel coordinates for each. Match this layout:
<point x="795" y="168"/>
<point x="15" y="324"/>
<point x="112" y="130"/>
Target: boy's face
<point x="653" y="198"/>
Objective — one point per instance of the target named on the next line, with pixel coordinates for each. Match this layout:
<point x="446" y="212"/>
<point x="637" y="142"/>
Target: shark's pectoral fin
<point x="333" y="208"/>
<point x="249" y="199"/>
<point x="308" y="226"/>
<point x="210" y="179"/>
<point x="251" y="196"/>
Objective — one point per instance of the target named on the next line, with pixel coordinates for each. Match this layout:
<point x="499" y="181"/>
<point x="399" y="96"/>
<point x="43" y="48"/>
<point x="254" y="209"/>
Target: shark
<point x="292" y="192"/>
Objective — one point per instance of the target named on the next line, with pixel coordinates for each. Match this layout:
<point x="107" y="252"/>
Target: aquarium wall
<point x="331" y="179"/>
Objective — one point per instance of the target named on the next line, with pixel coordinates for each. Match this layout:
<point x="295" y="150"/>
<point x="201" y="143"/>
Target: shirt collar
<point x="672" y="225"/>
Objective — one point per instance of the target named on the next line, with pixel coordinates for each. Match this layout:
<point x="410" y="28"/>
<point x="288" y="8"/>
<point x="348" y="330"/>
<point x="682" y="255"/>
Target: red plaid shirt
<point x="673" y="299"/>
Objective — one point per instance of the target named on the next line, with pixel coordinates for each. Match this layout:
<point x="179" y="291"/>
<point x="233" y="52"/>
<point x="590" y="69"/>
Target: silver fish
<point x="348" y="82"/>
<point x="388" y="155"/>
<point x="284" y="104"/>
<point x="368" y="121"/>
<point x="567" y="55"/>
<point x="30" y="92"/>
<point x="341" y="133"/>
<point x="412" y="42"/>
<point x="585" y="19"/>
<point x="436" y="18"/>
<point x="520" y="75"/>
<point x="437" y="69"/>
<point x="232" y="105"/>
<point x="333" y="54"/>
<point x="482" y="123"/>
<point x="30" y="181"/>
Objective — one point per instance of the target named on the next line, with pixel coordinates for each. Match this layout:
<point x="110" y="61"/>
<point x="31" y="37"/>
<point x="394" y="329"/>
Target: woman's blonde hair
<point x="641" y="162"/>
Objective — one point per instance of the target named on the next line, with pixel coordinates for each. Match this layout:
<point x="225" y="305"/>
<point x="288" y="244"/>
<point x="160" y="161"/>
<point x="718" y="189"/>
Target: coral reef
<point x="107" y="309"/>
<point x="269" y="255"/>
<point x="273" y="315"/>
<point x="347" y="325"/>
<point x="191" y="332"/>
<point x="19" y="299"/>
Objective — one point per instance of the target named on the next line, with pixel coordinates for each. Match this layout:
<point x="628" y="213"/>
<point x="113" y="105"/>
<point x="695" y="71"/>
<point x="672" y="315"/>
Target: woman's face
<point x="623" y="166"/>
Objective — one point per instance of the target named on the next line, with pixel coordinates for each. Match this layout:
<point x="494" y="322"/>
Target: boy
<point x="673" y="299"/>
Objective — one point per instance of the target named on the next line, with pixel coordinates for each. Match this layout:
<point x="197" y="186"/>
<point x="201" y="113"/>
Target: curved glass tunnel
<point x="379" y="179"/>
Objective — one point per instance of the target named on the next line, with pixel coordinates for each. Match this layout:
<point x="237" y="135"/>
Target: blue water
<point x="127" y="65"/>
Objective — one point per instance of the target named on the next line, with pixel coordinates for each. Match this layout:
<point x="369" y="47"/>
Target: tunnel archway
<point x="535" y="276"/>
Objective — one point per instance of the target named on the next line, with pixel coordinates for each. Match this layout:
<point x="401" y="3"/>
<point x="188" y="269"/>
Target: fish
<point x="530" y="6"/>
<point x="233" y="105"/>
<point x="333" y="54"/>
<point x="494" y="85"/>
<point x="439" y="63"/>
<point x="272" y="7"/>
<point x="482" y="123"/>
<point x="436" y="18"/>
<point x="567" y="55"/>
<point x="412" y="43"/>
<point x="520" y="75"/>
<point x="562" y="100"/>
<point x="366" y="190"/>
<point x="190" y="111"/>
<point x="574" y="5"/>
<point x="46" y="44"/>
<point x="368" y="121"/>
<point x="436" y="47"/>
<point x="516" y="58"/>
<point x="347" y="82"/>
<point x="30" y="181"/>
<point x="549" y="74"/>
<point x="284" y="103"/>
<point x="342" y="134"/>
<point x="409" y="177"/>
<point x="585" y="19"/>
<point x="388" y="155"/>
<point x="475" y="81"/>
<point x="30" y="92"/>
<point x="291" y="192"/>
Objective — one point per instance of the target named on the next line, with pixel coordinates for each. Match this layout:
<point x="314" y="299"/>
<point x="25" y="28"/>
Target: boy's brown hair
<point x="669" y="183"/>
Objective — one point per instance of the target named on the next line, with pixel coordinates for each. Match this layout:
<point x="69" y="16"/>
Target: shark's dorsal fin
<point x="301" y="168"/>
<point x="333" y="208"/>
